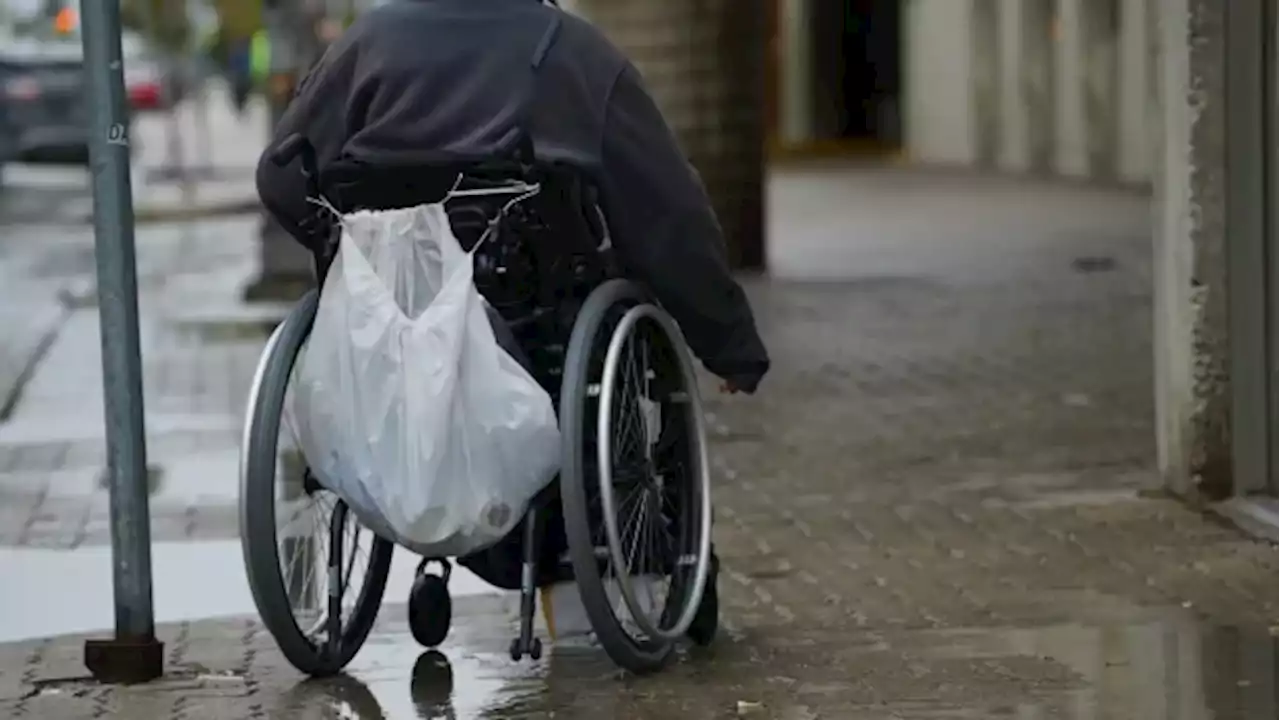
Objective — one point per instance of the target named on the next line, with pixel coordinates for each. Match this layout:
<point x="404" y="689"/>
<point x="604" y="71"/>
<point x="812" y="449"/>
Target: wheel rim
<point x="313" y="646"/>
<point x="628" y="377"/>
<point x="305" y="540"/>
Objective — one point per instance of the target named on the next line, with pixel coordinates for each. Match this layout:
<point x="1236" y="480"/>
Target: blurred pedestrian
<point x="242" y="59"/>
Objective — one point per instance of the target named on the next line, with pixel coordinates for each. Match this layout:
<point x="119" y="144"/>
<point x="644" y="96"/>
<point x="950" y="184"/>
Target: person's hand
<point x="729" y="388"/>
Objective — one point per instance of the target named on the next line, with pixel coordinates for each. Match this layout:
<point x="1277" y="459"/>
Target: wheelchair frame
<point x="588" y="272"/>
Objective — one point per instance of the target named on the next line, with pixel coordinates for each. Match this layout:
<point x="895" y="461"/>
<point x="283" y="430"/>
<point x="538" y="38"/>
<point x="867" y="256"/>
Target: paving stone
<point x="938" y="506"/>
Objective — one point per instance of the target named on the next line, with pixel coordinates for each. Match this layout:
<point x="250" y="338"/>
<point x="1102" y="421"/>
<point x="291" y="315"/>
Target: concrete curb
<point x="12" y="385"/>
<point x="1257" y="517"/>
<point x="150" y="214"/>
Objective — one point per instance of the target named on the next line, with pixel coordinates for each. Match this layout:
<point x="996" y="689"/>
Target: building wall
<point x="703" y="62"/>
<point x="1167" y="78"/>
<point x="938" y="118"/>
<point x="795" y="66"/>
<point x="1016" y="126"/>
<point x="1172" y="255"/>
<point x="1133" y="91"/>
<point x="1050" y="86"/>
<point x="1192" y="346"/>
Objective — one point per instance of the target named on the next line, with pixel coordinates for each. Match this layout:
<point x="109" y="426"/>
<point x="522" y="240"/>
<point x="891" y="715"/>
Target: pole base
<point x="125" y="662"/>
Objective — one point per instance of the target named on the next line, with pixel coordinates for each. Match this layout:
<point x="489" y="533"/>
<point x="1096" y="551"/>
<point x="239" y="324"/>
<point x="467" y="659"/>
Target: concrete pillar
<point x="985" y="77"/>
<point x="939" y="100"/>
<point x="1071" y="156"/>
<point x="1039" y="83"/>
<point x="1191" y="343"/>
<point x="795" y="59"/>
<point x="1100" y="36"/>
<point x="285" y="268"/>
<point x="703" y="62"/>
<point x="1015" y="122"/>
<point x="1133" y="157"/>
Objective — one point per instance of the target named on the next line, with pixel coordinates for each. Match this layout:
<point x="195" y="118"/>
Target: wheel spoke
<point x="627" y="500"/>
<point x="311" y="591"/>
<point x="629" y="579"/>
<point x="285" y="522"/>
<point x="632" y="523"/>
<point x="313" y="548"/>
<point x="642" y="399"/>
<point x="647" y="541"/>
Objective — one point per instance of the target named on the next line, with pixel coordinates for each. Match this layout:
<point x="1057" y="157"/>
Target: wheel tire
<point x="430" y="610"/>
<point x="706" y="624"/>
<point x="258" y="536"/>
<point x="636" y="655"/>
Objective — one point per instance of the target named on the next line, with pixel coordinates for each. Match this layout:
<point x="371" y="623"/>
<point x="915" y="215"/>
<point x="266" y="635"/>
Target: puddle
<point x="1142" y="664"/>
<point x="1139" y="664"/>
<point x="57" y="592"/>
<point x="454" y="682"/>
<point x="1163" y="667"/>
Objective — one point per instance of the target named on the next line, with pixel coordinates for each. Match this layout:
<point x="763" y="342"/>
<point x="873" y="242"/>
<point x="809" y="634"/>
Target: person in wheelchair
<point x="423" y="82"/>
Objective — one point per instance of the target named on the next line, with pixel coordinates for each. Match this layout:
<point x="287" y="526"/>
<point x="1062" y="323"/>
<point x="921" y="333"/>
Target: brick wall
<point x="703" y="61"/>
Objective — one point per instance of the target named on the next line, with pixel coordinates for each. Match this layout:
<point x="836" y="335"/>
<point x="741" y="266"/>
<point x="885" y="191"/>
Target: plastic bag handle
<point x="529" y="191"/>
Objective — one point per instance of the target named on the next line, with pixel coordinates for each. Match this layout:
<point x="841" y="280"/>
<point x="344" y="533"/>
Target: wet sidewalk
<point x="208" y="172"/>
<point x="941" y="505"/>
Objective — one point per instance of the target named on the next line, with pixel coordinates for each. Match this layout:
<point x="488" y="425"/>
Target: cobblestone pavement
<point x="199" y="351"/>
<point x="942" y="505"/>
<point x="30" y="312"/>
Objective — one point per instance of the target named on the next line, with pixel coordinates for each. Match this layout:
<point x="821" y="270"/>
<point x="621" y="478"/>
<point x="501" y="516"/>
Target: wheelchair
<point x="634" y="484"/>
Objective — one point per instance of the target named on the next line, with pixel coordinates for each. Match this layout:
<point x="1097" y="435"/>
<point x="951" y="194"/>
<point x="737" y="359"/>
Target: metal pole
<point x="133" y="655"/>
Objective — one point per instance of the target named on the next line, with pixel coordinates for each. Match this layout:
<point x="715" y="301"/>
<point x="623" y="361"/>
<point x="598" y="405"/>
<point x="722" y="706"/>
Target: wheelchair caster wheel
<point x="534" y="651"/>
<point x="430" y="609"/>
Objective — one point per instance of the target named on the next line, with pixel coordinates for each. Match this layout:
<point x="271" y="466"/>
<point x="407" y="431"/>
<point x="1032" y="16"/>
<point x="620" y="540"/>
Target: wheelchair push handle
<point x="290" y="148"/>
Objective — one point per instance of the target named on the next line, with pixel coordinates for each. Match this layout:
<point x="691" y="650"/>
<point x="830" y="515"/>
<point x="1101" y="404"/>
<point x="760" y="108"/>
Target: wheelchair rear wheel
<point x="635" y="480"/>
<point x="316" y="575"/>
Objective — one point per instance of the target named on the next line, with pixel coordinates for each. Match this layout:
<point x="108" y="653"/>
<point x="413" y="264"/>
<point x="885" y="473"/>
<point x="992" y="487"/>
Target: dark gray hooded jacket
<point x="436" y="80"/>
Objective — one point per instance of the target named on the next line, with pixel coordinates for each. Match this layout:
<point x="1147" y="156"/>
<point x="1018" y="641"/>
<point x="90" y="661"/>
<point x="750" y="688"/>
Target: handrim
<point x="259" y="533"/>
<point x="625" y="330"/>
<point x="593" y="325"/>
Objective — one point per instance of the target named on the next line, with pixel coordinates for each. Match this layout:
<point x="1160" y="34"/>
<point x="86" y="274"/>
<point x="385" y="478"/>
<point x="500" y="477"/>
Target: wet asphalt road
<point x="940" y="507"/>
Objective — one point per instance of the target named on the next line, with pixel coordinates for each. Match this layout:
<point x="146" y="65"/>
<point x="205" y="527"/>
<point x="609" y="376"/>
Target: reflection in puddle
<point x="69" y="591"/>
<point x="1164" y="666"/>
<point x="430" y="686"/>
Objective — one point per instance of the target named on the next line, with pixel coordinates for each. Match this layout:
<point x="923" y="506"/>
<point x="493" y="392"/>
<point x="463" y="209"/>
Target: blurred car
<point x="144" y="76"/>
<point x="43" y="92"/>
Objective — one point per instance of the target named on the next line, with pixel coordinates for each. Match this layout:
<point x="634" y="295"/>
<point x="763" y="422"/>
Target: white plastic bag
<point x="406" y="406"/>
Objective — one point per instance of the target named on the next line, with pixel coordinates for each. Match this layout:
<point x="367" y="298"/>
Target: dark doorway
<point x="857" y="71"/>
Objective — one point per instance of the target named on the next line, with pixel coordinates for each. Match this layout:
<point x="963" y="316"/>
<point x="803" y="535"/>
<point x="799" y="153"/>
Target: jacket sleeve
<point x="666" y="235"/>
<point x="317" y="116"/>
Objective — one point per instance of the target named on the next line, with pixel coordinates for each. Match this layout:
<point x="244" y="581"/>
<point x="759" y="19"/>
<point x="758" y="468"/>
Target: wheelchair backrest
<point x="565" y="199"/>
<point x="539" y="245"/>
